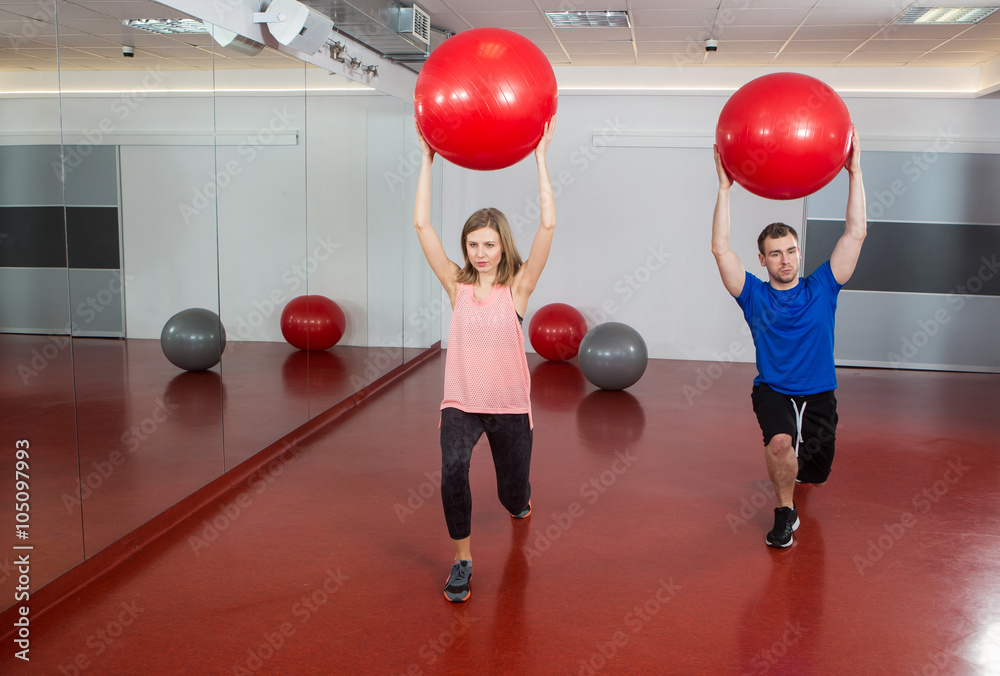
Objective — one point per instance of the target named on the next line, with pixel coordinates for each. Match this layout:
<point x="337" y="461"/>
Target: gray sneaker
<point x="457" y="588"/>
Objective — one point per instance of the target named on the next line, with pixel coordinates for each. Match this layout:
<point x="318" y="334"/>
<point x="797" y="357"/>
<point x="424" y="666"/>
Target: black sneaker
<point x="786" y="520"/>
<point x="457" y="588"/>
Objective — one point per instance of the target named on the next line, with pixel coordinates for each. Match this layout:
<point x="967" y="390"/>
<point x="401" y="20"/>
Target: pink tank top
<point x="486" y="370"/>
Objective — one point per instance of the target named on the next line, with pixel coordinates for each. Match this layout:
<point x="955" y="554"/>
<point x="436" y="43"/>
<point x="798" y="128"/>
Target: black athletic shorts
<point x="811" y="421"/>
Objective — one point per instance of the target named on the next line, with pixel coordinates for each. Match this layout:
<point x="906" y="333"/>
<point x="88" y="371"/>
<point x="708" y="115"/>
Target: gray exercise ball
<point x="193" y="339"/>
<point x="613" y="356"/>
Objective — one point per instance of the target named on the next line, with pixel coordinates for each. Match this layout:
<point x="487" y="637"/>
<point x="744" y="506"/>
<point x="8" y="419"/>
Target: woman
<point x="486" y="383"/>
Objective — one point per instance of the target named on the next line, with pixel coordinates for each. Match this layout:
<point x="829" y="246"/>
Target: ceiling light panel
<point x="168" y="26"/>
<point x="943" y="16"/>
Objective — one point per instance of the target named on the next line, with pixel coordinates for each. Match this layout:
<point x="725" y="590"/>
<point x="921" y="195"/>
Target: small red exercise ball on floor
<point x="555" y="331"/>
<point x="483" y="97"/>
<point x="784" y="135"/>
<point x="312" y="323"/>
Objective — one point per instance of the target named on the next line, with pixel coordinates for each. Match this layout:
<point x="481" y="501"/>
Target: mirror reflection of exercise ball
<point x="610" y="421"/>
<point x="195" y="398"/>
<point x="312" y="322"/>
<point x="613" y="356"/>
<point x="193" y="339"/>
<point x="313" y="373"/>
<point x="557" y="385"/>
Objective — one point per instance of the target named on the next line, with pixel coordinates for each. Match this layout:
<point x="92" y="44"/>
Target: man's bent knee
<point x="780" y="444"/>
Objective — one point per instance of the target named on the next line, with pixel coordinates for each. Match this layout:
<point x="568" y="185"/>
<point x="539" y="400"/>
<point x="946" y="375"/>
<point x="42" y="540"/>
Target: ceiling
<point x="90" y="37"/>
<point x="779" y="33"/>
<point x="759" y="33"/>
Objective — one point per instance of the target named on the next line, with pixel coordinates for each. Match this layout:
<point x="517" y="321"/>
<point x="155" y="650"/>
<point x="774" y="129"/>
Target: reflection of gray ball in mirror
<point x="613" y="356"/>
<point x="193" y="339"/>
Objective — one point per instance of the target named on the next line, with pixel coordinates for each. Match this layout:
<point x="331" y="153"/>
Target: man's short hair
<point x="776" y="231"/>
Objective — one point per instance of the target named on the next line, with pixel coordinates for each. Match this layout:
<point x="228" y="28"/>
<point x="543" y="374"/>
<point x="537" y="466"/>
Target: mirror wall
<point x="189" y="176"/>
<point x="37" y="404"/>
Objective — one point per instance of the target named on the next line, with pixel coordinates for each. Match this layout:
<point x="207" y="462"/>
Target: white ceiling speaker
<point x="300" y="27"/>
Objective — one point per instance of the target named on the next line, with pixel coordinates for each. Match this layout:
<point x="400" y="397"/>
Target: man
<point x="791" y="319"/>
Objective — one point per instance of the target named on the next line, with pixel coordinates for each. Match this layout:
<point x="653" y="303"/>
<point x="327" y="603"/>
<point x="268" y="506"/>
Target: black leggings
<point x="510" y="442"/>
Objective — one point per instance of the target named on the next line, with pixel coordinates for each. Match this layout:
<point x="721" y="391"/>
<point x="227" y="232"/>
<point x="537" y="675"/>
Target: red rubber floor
<point x="644" y="554"/>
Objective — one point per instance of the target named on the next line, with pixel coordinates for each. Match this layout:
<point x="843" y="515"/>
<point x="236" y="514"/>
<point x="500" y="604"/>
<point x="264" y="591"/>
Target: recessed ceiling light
<point x="168" y="26"/>
<point x="939" y="16"/>
<point x="606" y="18"/>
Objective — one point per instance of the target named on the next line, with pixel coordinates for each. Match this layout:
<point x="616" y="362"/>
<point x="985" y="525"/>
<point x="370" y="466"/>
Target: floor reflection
<point x="316" y="373"/>
<point x="142" y="447"/>
<point x="557" y="385"/>
<point x="195" y="397"/>
<point x="610" y="421"/>
<point x="37" y="394"/>
<point x="781" y="627"/>
<point x="510" y="636"/>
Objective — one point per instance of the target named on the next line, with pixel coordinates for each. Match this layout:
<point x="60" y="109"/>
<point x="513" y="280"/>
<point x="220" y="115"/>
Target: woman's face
<point x="484" y="249"/>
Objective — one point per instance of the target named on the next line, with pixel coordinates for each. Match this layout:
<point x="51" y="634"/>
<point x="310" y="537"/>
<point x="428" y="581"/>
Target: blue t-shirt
<point x="793" y="331"/>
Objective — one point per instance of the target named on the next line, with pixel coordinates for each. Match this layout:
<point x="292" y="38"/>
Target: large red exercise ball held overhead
<point x="483" y="97"/>
<point x="784" y="136"/>
<point x="555" y="331"/>
<point x="312" y="323"/>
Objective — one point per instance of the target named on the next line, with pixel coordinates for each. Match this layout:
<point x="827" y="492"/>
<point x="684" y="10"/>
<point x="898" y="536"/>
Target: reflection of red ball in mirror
<point x="317" y="375"/>
<point x="483" y="97"/>
<point x="784" y="135"/>
<point x="555" y="331"/>
<point x="312" y="323"/>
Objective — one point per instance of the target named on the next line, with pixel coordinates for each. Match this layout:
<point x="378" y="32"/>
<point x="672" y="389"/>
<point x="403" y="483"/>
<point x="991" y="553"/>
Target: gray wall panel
<point x="914" y="257"/>
<point x="34" y="300"/>
<point x="32" y="237"/>
<point x="93" y="237"/>
<point x="30" y="176"/>
<point x="928" y="331"/>
<point x="97" y="307"/>
<point x="953" y="188"/>
<point x="953" y="193"/>
<point x="92" y="180"/>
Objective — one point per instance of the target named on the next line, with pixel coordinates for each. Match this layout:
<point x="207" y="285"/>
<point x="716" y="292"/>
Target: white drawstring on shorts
<point x="799" y="413"/>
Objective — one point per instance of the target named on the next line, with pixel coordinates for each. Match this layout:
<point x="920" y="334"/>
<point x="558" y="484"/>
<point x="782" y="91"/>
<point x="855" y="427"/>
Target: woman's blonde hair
<point x="510" y="259"/>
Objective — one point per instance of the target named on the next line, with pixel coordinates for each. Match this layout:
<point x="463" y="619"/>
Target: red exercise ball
<point x="555" y="331"/>
<point x="483" y="97"/>
<point x="312" y="323"/>
<point x="784" y="135"/>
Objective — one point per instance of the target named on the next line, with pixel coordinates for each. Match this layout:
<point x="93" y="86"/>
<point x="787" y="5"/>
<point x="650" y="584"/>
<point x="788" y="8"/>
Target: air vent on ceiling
<point x="611" y="18"/>
<point x="416" y="22"/>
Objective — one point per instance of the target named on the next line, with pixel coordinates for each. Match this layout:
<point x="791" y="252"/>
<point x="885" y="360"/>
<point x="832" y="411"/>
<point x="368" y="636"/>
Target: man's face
<point x="781" y="258"/>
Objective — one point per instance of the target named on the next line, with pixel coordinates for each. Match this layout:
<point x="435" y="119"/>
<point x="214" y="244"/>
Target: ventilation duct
<point x="415" y="22"/>
<point x="377" y="24"/>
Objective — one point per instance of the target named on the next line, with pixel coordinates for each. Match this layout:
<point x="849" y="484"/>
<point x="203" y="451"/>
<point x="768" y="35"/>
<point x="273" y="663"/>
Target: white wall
<point x="169" y="264"/>
<point x="616" y="205"/>
<point x="336" y="158"/>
